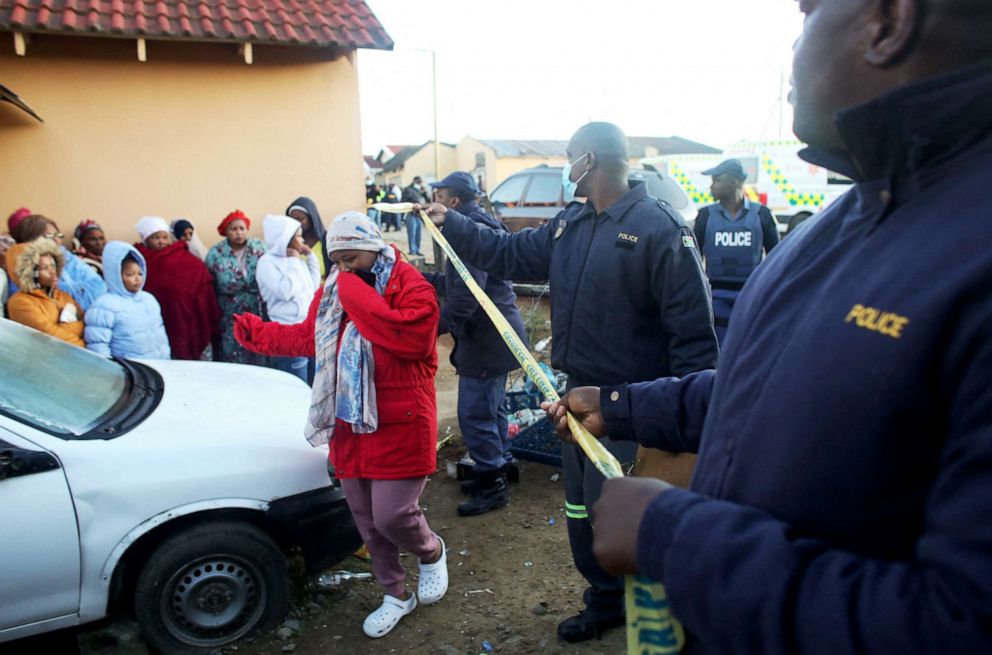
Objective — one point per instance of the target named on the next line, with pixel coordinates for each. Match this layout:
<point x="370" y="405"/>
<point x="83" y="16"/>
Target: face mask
<point x="566" y="173"/>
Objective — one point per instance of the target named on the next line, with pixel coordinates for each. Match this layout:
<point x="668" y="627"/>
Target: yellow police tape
<point x="651" y="628"/>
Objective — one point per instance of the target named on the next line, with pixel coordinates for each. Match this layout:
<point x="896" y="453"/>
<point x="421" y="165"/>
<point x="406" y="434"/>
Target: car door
<point x="39" y="540"/>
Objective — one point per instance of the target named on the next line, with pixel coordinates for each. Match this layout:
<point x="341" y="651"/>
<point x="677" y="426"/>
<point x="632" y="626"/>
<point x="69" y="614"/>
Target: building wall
<point x="421" y="164"/>
<point x="193" y="132"/>
<point x="496" y="168"/>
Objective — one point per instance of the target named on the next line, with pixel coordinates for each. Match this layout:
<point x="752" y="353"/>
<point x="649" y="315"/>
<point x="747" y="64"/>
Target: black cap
<point x="460" y="182"/>
<point x="731" y="167"/>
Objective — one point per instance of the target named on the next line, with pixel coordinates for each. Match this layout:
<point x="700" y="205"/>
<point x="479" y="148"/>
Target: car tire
<point x="210" y="585"/>
<point x="797" y="220"/>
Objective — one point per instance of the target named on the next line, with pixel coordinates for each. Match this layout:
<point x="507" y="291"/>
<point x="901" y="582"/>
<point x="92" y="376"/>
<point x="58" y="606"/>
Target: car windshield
<point x="52" y="385"/>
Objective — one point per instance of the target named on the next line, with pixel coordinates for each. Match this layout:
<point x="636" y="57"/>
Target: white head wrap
<point x="355" y="231"/>
<point x="149" y="225"/>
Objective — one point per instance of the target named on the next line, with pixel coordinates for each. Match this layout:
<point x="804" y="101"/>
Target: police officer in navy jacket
<point x="629" y="302"/>
<point x="842" y="497"/>
<point x="480" y="356"/>
<point x="733" y="234"/>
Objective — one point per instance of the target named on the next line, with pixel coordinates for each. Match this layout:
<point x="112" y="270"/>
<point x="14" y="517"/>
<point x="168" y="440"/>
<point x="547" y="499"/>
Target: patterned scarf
<point x="344" y="384"/>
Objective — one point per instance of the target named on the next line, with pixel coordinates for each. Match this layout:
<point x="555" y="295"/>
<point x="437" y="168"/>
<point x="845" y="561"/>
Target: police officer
<point x="732" y="233"/>
<point x="629" y="302"/>
<point x="842" y="495"/>
<point x="480" y="356"/>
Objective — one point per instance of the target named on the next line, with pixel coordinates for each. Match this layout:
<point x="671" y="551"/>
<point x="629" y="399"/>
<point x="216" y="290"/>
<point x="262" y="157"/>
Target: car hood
<point x="220" y="432"/>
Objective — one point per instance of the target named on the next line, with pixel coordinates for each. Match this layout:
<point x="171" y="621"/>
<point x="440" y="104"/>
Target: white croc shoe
<point x="380" y="622"/>
<point x="433" y="581"/>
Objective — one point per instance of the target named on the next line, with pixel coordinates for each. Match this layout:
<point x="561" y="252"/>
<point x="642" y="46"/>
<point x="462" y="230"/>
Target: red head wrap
<point x="236" y="215"/>
<point x="17" y="217"/>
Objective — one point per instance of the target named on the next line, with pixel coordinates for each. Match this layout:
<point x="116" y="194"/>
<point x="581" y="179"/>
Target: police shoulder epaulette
<point x="669" y="211"/>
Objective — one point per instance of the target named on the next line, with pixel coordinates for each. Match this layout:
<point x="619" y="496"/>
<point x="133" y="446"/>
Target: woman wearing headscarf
<point x="16" y="217"/>
<point x="305" y="212"/>
<point x="76" y="278"/>
<point x="183" y="230"/>
<point x="232" y="263"/>
<point x="373" y="330"/>
<point x="183" y="287"/>
<point x="88" y="242"/>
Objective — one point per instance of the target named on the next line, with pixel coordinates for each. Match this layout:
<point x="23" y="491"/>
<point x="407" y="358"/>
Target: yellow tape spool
<point x="651" y="628"/>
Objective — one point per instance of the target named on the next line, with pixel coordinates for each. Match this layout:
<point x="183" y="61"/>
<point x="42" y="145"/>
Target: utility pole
<point x="439" y="256"/>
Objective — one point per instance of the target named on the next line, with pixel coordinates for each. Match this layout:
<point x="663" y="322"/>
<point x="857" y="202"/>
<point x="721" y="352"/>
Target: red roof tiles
<point x="321" y="23"/>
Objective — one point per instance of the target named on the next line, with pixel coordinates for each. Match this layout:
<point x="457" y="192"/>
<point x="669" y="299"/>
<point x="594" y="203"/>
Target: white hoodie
<point x="287" y="284"/>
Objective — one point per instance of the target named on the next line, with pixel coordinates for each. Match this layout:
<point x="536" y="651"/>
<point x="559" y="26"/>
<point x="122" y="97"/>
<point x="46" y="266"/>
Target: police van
<point x="793" y="189"/>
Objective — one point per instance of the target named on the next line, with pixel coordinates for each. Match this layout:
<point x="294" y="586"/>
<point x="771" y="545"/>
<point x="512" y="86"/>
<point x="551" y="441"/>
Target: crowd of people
<point x="167" y="295"/>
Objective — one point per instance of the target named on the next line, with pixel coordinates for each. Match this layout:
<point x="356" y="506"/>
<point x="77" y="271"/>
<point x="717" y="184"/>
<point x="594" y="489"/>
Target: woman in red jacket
<point x="373" y="331"/>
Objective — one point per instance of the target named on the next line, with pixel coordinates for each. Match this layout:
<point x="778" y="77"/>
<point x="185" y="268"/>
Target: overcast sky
<point x="709" y="70"/>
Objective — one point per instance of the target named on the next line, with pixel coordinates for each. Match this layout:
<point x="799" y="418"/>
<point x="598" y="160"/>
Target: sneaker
<point x="433" y="581"/>
<point x="380" y="622"/>
<point x="585" y="626"/>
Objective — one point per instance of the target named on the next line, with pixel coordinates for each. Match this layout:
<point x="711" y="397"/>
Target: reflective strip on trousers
<point x="574" y="511"/>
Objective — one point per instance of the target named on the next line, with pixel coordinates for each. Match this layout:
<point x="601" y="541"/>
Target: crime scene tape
<point x="651" y="628"/>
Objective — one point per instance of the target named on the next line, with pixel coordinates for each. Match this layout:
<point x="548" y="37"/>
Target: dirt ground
<point x="511" y="578"/>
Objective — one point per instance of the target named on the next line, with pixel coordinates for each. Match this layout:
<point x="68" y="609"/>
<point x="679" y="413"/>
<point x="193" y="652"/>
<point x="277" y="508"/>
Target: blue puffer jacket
<point x="121" y="323"/>
<point x="80" y="281"/>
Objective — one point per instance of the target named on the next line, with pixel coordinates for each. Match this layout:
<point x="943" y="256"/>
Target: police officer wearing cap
<point x="480" y="356"/>
<point x="732" y="233"/>
<point x="629" y="302"/>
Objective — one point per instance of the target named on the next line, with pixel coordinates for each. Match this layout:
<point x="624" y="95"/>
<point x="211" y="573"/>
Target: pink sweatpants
<point x="388" y="516"/>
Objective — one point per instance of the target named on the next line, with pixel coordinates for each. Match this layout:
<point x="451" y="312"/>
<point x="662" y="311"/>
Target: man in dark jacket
<point x="480" y="357"/>
<point x="733" y="234"/>
<point x="628" y="303"/>
<point x="842" y="495"/>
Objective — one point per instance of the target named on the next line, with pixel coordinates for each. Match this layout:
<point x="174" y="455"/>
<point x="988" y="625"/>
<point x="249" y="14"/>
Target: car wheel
<point x="210" y="585"/>
<point x="797" y="220"/>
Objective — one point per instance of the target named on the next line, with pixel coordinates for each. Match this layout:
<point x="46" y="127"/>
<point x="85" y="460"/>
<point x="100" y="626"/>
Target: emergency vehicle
<point x="793" y="189"/>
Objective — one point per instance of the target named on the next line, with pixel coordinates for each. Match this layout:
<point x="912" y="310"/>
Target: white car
<point x="173" y="487"/>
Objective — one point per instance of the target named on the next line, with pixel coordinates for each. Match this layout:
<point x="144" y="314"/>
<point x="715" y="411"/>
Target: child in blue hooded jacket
<point x="127" y="321"/>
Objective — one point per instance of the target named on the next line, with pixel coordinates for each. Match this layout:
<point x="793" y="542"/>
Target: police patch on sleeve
<point x="562" y="223"/>
<point x="688" y="241"/>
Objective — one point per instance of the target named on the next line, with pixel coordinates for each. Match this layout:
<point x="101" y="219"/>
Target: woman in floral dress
<point x="232" y="262"/>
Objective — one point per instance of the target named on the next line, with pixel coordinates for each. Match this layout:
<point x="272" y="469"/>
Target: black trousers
<point x="583" y="484"/>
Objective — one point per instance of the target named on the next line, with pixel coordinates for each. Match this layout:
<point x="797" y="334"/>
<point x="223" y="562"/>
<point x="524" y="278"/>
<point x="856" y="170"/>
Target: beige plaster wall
<point x="193" y="132"/>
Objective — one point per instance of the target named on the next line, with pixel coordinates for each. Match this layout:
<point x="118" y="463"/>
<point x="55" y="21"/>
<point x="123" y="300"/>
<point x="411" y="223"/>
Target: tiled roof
<point x="320" y="23"/>
<point x="372" y="162"/>
<point x="665" y="145"/>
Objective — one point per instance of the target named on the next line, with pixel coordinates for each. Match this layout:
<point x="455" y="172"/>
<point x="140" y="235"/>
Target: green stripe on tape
<point x="576" y="515"/>
<point x="577" y="508"/>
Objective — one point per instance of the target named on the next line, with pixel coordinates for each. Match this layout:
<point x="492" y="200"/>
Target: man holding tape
<point x="843" y="490"/>
<point x="629" y="302"/>
<point x="480" y="357"/>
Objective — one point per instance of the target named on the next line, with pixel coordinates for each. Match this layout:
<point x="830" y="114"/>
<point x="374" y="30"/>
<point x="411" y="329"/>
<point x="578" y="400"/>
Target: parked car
<point x="176" y="488"/>
<point x="531" y="197"/>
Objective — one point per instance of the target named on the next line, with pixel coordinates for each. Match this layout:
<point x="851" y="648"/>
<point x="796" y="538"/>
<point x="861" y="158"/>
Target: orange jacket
<point x="31" y="305"/>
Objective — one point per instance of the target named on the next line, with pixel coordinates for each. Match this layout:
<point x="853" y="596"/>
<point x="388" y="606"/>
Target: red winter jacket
<point x="184" y="289"/>
<point x="402" y="326"/>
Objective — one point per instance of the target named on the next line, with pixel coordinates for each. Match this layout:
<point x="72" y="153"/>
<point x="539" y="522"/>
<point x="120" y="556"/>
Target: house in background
<point x="182" y="109"/>
<point x="417" y="161"/>
<point x="494" y="160"/>
<point x="372" y="168"/>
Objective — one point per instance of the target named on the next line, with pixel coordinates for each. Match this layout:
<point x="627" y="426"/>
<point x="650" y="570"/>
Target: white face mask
<point x="566" y="176"/>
